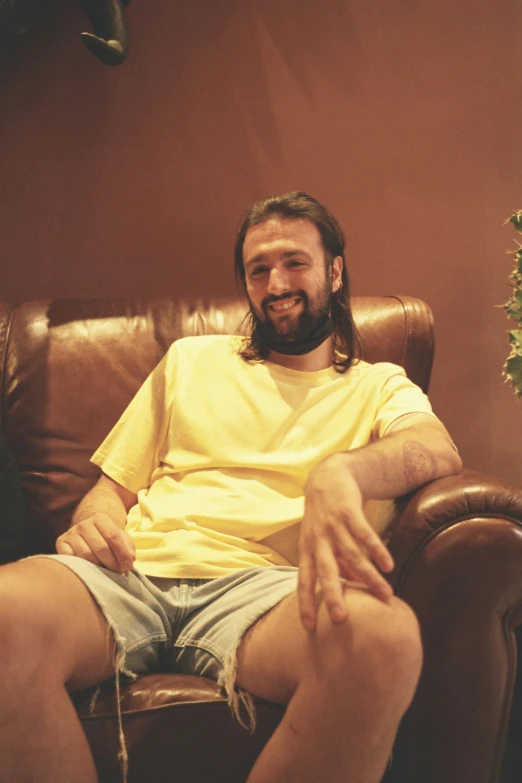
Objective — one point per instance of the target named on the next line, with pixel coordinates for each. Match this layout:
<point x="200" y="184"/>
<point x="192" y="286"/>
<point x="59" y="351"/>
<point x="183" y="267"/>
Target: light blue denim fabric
<point x="192" y="626"/>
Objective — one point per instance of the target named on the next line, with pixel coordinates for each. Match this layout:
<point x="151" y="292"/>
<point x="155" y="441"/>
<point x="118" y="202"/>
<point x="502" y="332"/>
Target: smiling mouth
<point x="282" y="306"/>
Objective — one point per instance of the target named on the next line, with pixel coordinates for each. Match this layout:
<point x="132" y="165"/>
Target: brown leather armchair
<point x="68" y="369"/>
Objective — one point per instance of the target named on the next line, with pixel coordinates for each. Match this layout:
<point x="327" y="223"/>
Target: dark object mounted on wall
<point x="110" y="40"/>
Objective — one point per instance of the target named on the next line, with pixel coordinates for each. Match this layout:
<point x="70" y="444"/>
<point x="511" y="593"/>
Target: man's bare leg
<point x="53" y="637"/>
<point x="346" y="686"/>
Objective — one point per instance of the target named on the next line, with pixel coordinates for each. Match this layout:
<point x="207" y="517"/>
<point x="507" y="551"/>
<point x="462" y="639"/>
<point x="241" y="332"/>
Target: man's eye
<point x="295" y="263"/>
<point x="258" y="271"/>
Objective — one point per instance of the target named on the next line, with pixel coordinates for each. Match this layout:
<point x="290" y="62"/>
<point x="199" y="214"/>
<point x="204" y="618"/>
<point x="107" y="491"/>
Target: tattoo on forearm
<point x="420" y="466"/>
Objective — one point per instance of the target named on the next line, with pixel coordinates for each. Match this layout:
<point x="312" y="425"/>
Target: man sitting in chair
<point x="227" y="535"/>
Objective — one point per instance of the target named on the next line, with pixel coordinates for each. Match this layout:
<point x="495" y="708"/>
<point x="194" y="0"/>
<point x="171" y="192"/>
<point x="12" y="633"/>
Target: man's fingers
<point x="63" y="548"/>
<point x="361" y="570"/>
<point x="101" y="544"/>
<point x="117" y="542"/>
<point x="130" y="543"/>
<point x="329" y="578"/>
<point x="367" y="538"/>
<point x="73" y="544"/>
<point x="378" y="587"/>
<point x="307" y="578"/>
<point x="378" y="552"/>
<point x="355" y="564"/>
<point x="103" y="550"/>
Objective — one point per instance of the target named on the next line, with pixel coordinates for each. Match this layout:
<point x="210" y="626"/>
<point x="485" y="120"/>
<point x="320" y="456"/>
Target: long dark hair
<point x="294" y="206"/>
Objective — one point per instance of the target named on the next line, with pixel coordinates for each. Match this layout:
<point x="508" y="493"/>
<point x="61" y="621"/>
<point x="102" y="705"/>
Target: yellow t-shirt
<point x="218" y="451"/>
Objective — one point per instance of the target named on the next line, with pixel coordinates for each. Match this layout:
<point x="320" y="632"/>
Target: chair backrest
<point x="69" y="367"/>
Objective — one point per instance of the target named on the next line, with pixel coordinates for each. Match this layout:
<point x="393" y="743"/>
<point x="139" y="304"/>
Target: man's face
<point x="288" y="280"/>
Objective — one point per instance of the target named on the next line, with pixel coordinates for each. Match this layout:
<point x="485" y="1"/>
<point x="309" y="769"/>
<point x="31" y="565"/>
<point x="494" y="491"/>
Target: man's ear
<point x="337" y="273"/>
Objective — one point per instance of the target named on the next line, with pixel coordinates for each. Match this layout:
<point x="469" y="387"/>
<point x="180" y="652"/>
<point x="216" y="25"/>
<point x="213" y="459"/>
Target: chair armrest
<point x="458" y="552"/>
<point x="447" y="502"/>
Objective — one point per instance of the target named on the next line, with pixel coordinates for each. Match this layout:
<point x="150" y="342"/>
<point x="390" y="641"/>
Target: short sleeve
<point x="130" y="452"/>
<point x="398" y="397"/>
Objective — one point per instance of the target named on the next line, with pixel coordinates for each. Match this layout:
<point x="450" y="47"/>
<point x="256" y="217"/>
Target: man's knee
<point x="50" y="624"/>
<point x="27" y="613"/>
<point x="398" y="645"/>
<point x="24" y="641"/>
<point x="379" y="644"/>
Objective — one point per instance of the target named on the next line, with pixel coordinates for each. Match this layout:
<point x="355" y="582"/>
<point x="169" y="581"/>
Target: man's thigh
<point x="48" y="611"/>
<point x="277" y="652"/>
<point x="271" y="653"/>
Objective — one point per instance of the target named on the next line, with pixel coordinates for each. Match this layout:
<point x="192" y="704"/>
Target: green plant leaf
<point x="518" y="261"/>
<point x="515" y="339"/>
<point x="516" y="219"/>
<point x="513" y="370"/>
<point x="513" y="312"/>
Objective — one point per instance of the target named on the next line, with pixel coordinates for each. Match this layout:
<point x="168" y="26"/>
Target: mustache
<point x="271" y="299"/>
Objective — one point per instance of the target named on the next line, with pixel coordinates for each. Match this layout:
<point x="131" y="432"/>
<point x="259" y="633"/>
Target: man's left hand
<point x="336" y="541"/>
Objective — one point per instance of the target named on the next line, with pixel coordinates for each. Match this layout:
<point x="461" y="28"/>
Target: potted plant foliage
<point x="513" y="307"/>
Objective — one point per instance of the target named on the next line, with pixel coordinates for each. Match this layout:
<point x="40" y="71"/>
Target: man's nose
<point x="277" y="282"/>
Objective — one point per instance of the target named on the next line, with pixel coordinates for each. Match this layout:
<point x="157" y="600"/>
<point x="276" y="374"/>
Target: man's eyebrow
<point x="287" y="254"/>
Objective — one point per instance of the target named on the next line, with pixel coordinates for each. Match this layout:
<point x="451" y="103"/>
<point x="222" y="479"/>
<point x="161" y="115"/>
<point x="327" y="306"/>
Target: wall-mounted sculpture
<point x="109" y="41"/>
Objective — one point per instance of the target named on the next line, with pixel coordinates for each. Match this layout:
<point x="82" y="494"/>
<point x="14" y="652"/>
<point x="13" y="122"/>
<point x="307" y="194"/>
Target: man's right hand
<point x="100" y="541"/>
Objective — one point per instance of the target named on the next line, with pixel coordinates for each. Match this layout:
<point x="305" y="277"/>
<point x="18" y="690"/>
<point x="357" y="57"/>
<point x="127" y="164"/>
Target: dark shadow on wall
<point x="234" y="44"/>
<point x="313" y="37"/>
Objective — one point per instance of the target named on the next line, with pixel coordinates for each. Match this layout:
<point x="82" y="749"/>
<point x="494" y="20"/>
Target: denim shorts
<point x="191" y="626"/>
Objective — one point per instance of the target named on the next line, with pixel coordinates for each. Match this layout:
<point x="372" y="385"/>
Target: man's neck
<point x="319" y="359"/>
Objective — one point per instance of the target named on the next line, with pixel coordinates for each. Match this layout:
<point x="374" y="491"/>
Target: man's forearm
<point x="401" y="462"/>
<point x="101" y="499"/>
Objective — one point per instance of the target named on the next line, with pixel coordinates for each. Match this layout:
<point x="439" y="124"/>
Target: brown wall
<point x="403" y="117"/>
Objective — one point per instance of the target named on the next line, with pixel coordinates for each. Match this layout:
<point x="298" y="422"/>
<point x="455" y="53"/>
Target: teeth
<point x="285" y="305"/>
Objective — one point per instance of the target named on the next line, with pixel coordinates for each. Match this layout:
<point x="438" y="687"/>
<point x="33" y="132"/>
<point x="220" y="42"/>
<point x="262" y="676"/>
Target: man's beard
<point x="299" y="336"/>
